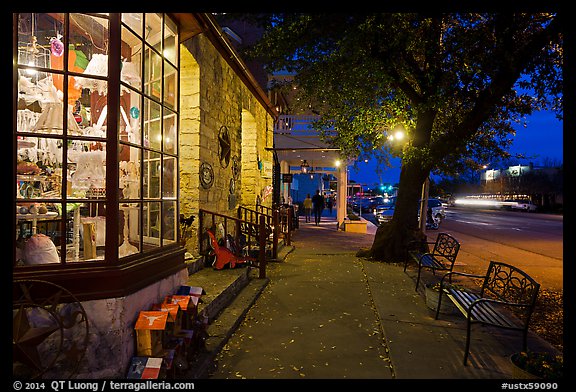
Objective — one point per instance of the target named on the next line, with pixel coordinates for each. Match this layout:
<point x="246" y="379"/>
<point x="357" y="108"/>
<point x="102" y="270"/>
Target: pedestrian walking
<point x="318" y="206"/>
<point x="308" y="208"/>
<point x="329" y="204"/>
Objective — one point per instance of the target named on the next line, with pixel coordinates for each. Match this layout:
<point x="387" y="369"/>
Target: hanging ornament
<point x="134" y="112"/>
<point x="56" y="46"/>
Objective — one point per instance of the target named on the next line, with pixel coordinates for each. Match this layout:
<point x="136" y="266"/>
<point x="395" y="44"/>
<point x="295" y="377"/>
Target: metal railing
<point x="250" y="234"/>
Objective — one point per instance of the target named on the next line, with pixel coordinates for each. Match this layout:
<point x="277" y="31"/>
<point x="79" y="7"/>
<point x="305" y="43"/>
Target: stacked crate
<point x="168" y="335"/>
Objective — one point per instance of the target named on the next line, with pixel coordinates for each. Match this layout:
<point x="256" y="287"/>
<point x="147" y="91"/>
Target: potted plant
<point x="432" y="292"/>
<point x="537" y="365"/>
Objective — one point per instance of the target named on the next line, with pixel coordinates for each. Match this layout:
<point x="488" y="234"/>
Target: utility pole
<point x="424" y="204"/>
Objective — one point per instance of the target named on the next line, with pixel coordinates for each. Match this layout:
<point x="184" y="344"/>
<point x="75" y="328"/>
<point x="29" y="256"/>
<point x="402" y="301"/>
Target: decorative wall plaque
<point x="235" y="167"/>
<point x="206" y="175"/>
<point x="224" y="146"/>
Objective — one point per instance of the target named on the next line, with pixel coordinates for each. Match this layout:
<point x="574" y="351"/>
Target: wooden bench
<point x="441" y="258"/>
<point x="506" y="299"/>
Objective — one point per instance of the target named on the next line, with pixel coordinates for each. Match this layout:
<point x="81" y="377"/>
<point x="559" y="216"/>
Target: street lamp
<point x="397" y="137"/>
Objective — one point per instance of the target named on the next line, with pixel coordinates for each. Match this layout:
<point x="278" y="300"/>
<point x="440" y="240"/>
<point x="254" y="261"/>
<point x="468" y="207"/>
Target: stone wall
<point x="212" y="98"/>
<point x="111" y="321"/>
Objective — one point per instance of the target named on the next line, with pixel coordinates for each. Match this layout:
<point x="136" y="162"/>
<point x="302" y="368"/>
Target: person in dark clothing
<point x="318" y="206"/>
<point x="329" y="204"/>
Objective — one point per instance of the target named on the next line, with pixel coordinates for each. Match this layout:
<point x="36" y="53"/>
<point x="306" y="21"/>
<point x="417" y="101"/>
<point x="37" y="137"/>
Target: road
<point x="530" y="241"/>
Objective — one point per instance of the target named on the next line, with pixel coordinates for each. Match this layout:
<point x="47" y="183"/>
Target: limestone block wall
<point x="213" y="97"/>
<point x="111" y="336"/>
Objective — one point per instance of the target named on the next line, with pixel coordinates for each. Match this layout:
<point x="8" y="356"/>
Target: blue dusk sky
<point x="541" y="139"/>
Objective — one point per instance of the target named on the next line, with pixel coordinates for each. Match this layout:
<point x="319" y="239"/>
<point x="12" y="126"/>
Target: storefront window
<point x="63" y="165"/>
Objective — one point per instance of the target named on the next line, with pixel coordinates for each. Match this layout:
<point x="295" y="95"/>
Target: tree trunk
<point x="392" y="239"/>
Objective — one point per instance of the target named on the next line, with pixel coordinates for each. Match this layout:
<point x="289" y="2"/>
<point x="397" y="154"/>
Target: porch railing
<point x="297" y="124"/>
<point x="253" y="233"/>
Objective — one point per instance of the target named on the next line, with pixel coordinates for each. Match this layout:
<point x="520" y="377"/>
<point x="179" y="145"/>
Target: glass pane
<point x="134" y="20"/>
<point x="153" y="30"/>
<point x="38" y="233"/>
<point x="169" y="178"/>
<point x="130" y="118"/>
<point x="88" y="233"/>
<point x="40" y="42"/>
<point x="169" y="229"/>
<point x="89" y="38"/>
<point x="40" y="108"/>
<point x="153" y="74"/>
<point x="170" y="134"/>
<point x="170" y="86"/>
<point x="152" y="124"/>
<point x="151" y="225"/>
<point x="39" y="168"/>
<point x="129" y="173"/>
<point x="88" y="116"/>
<point x="129" y="227"/>
<point x="170" y="51"/>
<point x="151" y="187"/>
<point x="86" y="168"/>
<point x="131" y="60"/>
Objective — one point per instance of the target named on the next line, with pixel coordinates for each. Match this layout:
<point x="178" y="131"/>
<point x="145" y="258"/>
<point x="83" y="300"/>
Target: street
<point x="530" y="241"/>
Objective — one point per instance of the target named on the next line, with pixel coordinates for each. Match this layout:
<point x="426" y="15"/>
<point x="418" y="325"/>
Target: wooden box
<point x="188" y="306"/>
<point x="144" y="368"/>
<point x="150" y="332"/>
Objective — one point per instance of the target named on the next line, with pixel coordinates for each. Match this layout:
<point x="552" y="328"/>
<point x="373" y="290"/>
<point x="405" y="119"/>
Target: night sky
<point x="542" y="139"/>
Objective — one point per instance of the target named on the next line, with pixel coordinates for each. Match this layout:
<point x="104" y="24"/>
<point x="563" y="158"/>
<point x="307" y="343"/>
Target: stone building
<point x="160" y="118"/>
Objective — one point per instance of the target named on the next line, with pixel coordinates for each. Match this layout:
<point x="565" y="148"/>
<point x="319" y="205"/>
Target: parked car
<point x="367" y="203"/>
<point x="385" y="211"/>
<point x="524" y="205"/>
<point x="438" y="210"/>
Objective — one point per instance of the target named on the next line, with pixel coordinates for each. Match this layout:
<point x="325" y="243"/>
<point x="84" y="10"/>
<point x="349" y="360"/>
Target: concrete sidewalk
<point x="326" y="314"/>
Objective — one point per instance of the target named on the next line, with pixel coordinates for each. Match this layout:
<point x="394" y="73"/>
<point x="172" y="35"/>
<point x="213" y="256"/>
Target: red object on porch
<point x="224" y="255"/>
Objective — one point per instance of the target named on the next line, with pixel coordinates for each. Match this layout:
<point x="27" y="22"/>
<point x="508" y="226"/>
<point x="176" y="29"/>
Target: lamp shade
<point x="51" y="120"/>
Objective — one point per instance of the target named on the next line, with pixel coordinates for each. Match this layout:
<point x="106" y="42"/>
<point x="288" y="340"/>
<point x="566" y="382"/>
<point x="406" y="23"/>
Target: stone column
<point x="342" y="187"/>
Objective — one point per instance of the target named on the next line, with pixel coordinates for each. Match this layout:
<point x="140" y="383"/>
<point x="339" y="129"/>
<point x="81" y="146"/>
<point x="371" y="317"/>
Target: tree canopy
<point x="456" y="83"/>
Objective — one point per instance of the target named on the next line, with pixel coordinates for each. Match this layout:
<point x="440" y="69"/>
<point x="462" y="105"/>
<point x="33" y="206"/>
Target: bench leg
<point x="418" y="277"/>
<point x="438" y="305"/>
<point x="467" y="349"/>
<point x="525" y="340"/>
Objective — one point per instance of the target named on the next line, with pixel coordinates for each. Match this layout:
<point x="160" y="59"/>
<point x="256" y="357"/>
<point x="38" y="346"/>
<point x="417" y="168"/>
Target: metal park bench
<point x="441" y="258"/>
<point x="506" y="299"/>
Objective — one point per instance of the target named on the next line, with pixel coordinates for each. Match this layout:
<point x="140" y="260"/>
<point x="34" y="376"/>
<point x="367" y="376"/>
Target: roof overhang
<point x="192" y="24"/>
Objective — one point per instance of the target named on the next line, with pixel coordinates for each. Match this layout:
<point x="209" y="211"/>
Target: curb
<point x="224" y="325"/>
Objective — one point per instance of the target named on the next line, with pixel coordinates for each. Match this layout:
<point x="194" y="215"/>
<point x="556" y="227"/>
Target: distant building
<point x="540" y="184"/>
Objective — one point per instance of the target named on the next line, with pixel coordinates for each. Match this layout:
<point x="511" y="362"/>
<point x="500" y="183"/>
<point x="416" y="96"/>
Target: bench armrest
<point x="499" y="301"/>
<point x="413" y="244"/>
<point x="464" y="274"/>
<point x="421" y="242"/>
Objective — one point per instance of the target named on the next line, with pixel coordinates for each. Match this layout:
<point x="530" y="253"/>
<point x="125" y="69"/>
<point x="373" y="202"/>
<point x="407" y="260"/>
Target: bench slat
<point x="484" y="312"/>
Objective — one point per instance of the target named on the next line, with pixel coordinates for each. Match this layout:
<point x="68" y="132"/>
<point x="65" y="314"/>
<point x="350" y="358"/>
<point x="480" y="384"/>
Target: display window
<point x="95" y="137"/>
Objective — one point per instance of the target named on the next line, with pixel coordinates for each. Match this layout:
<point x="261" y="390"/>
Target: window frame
<point x="111" y="276"/>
